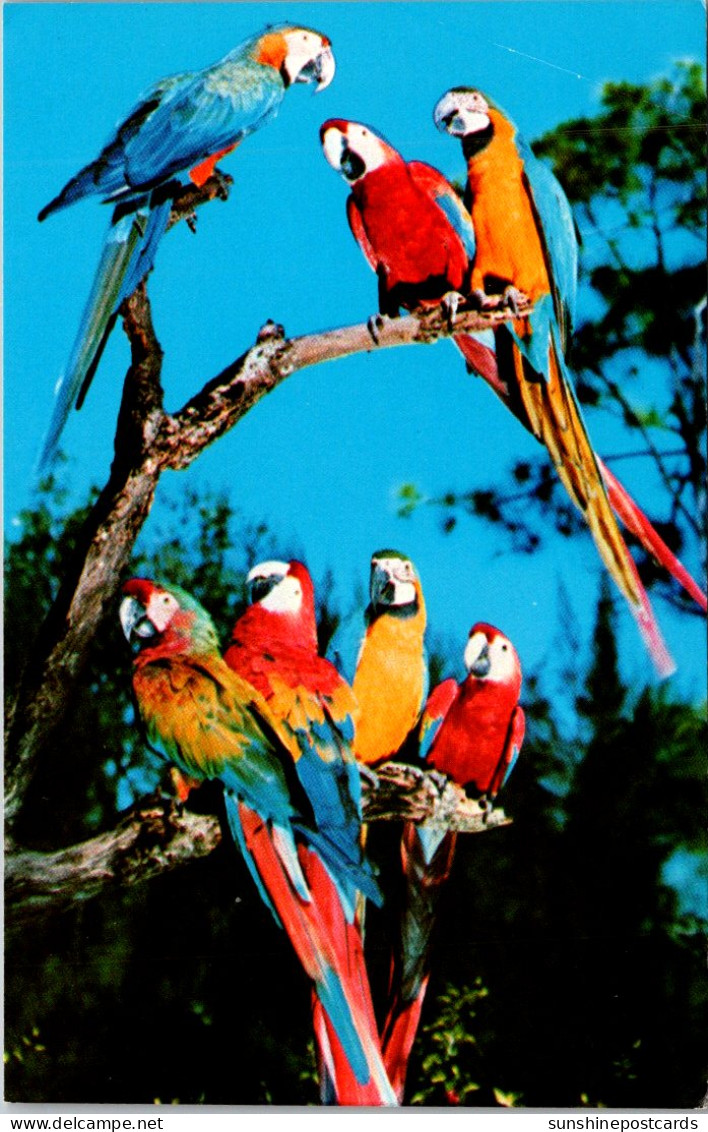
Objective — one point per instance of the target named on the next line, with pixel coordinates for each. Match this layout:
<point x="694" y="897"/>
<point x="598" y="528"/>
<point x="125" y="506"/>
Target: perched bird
<point x="472" y="732"/>
<point x="274" y="647"/>
<point x="526" y="244"/>
<point x="291" y="796"/>
<point x="414" y="232"/>
<point x="391" y="678"/>
<point x="176" y="133"/>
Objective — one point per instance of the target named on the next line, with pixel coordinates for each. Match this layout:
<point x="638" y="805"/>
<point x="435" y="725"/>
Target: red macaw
<point x="391" y="678"/>
<point x="291" y="795"/>
<point x="472" y="732"/>
<point x="180" y="127"/>
<point x="274" y="647"/>
<point x="526" y="243"/>
<point x="415" y="233"/>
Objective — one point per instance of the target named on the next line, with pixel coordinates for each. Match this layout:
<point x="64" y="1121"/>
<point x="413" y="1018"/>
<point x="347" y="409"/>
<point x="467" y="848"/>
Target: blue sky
<point x="321" y="458"/>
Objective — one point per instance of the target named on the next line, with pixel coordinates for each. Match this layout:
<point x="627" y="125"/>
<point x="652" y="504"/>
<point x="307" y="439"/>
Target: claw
<point x="369" y="776"/>
<point x="512" y="299"/>
<point x="449" y="304"/>
<point x="191" y="219"/>
<point x="224" y="182"/>
<point x="373" y="325"/>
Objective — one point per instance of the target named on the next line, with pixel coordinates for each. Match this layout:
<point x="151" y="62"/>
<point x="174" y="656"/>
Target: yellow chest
<point x="389" y="686"/>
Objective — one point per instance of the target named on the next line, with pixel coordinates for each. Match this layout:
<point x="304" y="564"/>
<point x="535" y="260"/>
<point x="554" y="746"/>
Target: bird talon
<point x="512" y="299"/>
<point x="449" y="306"/>
<point x="191" y="219"/>
<point x="369" y="776"/>
<point x="373" y="325"/>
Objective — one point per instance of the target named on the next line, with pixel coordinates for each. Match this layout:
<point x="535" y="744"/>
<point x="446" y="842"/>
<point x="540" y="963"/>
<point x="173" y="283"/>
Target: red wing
<point x="356" y="224"/>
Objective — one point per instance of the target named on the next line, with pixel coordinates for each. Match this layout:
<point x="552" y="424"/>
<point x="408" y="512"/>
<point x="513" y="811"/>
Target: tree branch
<point x="155" y="837"/>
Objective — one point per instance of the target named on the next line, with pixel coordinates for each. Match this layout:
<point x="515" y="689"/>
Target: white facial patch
<point x="462" y="112"/>
<point x="267" y="570"/>
<point x="502" y="658"/>
<point x="161" y="608"/>
<point x="305" y="48"/>
<point x="367" y="145"/>
<point x="285" y="597"/>
<point x="401" y="574"/>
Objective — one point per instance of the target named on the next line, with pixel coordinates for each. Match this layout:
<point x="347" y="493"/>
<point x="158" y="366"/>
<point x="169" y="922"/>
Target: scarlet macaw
<point x="472" y="732"/>
<point x="291" y="797"/>
<point x="415" y="233"/>
<point x="274" y="647"/>
<point x="391" y="678"/>
<point x="181" y="125"/>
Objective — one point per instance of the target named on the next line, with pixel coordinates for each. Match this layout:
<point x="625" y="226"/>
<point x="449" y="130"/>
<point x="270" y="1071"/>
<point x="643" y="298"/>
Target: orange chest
<point x="509" y="246"/>
<point x="389" y="686"/>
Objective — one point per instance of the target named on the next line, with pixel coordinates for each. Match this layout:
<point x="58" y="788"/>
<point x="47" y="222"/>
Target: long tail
<point x="329" y="948"/>
<point x="635" y="521"/>
<point x="482" y="361"/>
<point x="128" y="254"/>
<point x="426" y="858"/>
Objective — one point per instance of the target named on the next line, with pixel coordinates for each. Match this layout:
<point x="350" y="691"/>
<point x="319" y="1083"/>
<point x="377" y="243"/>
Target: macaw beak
<point x="382" y="587"/>
<point x="134" y="619"/>
<point x="483" y="663"/>
<point x="320" y="70"/>
<point x="260" y="586"/>
<point x="345" y="160"/>
<point x="334" y="144"/>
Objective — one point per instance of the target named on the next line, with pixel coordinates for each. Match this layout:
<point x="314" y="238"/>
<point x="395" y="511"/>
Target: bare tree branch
<point x="155" y="837"/>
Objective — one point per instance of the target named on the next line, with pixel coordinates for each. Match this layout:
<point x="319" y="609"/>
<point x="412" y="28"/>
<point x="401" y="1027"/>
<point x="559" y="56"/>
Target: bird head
<point x="464" y="113"/>
<point x="490" y="656"/>
<point x="354" y="149"/>
<point x="284" y="590"/>
<point x="394" y="586"/>
<point x="153" y="615"/>
<point x="301" y="55"/>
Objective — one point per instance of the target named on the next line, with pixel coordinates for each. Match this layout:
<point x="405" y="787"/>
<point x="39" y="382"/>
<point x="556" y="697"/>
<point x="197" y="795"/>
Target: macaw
<point x="291" y="797"/>
<point x="527" y="243"/>
<point x="415" y="233"/>
<point x="472" y="732"/>
<point x="274" y="647"/>
<point x="391" y="679"/>
<point x="179" y="129"/>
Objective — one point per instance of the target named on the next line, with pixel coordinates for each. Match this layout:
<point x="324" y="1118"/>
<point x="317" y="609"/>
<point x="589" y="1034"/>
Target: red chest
<point x="473" y="737"/>
<point x="410" y="235"/>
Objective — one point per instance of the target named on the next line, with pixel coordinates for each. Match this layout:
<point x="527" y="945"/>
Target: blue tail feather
<point x="128" y="254"/>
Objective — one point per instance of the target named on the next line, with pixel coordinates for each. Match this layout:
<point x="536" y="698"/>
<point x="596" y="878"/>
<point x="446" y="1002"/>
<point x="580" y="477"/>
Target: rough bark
<point x="155" y="836"/>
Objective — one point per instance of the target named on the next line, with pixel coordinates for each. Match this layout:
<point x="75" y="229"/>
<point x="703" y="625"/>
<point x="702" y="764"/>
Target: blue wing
<point x="557" y="229"/>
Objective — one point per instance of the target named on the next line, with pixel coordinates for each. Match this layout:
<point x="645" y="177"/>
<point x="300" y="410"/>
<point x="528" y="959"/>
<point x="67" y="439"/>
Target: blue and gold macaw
<point x="526" y="244"/>
<point x="177" y="132"/>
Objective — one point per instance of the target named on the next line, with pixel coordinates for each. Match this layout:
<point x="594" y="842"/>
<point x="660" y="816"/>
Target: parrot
<point x="274" y="647"/>
<point x="415" y="232"/>
<point x="291" y="798"/>
<point x="471" y="732"/>
<point x="527" y="244"/>
<point x="391" y="678"/>
<point x="175" y="133"/>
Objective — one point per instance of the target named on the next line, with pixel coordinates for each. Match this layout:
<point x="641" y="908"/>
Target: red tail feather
<point x="638" y="524"/>
<point x="328" y="946"/>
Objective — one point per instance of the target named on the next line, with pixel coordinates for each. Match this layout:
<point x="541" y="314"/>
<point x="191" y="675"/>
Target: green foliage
<point x="568" y="967"/>
<point x="453" y="1069"/>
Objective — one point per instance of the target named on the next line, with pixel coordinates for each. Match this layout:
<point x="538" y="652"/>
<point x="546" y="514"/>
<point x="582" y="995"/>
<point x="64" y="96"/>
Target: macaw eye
<point x="504" y="648"/>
